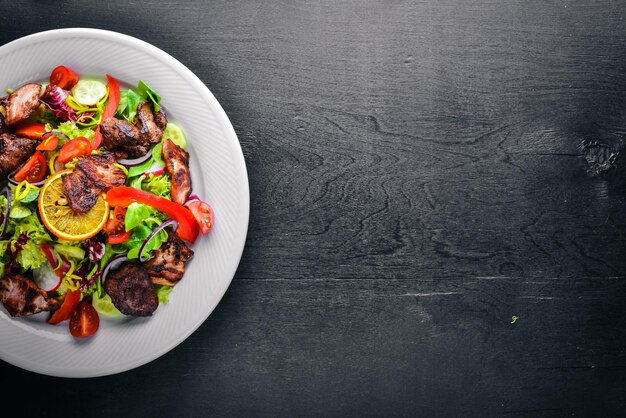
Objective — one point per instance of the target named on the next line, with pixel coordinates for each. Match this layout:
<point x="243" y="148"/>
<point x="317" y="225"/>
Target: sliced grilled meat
<point x="21" y="103"/>
<point x="151" y="132"/>
<point x="21" y="296"/>
<point x="177" y="164"/>
<point x="131" y="290"/>
<point x="13" y="152"/>
<point x="102" y="171"/>
<point x="160" y="119"/>
<point x="168" y="264"/>
<point x="93" y="175"/>
<point x="4" y="128"/>
<point x="119" y="133"/>
<point x="81" y="193"/>
<point x="136" y="139"/>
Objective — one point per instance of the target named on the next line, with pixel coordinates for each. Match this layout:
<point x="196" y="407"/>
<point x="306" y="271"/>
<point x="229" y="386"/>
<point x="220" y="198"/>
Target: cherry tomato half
<point x="63" y="77"/>
<point x="72" y="298"/>
<point x="30" y="130"/>
<point x="48" y="143"/>
<point x="34" y="170"/>
<point x="84" y="321"/>
<point x="76" y="147"/>
<point x="204" y="214"/>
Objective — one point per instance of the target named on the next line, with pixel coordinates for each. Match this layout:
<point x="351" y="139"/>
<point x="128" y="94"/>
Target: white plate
<point x="218" y="174"/>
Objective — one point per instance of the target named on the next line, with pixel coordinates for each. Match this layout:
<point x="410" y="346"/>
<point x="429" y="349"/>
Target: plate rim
<point x="238" y="160"/>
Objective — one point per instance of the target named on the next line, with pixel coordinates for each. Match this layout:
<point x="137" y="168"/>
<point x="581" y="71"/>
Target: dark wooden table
<point x="420" y="173"/>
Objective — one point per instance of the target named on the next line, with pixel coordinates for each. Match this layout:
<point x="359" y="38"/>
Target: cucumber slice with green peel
<point x="89" y="92"/>
<point x="176" y="134"/>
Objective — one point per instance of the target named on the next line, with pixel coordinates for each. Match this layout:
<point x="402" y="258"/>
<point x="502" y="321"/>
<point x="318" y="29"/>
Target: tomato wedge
<point x="84" y="321"/>
<point x="48" y="143"/>
<point x="63" y="77"/>
<point x="187" y="225"/>
<point x="76" y="147"/>
<point x="72" y="297"/>
<point x="114" y="100"/>
<point x="30" y="130"/>
<point x="119" y="238"/>
<point x="34" y="170"/>
<point x="204" y="214"/>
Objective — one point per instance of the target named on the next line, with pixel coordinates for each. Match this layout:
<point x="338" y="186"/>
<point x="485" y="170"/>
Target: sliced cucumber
<point x="89" y="92"/>
<point x="70" y="251"/>
<point x="104" y="306"/>
<point x="176" y="134"/>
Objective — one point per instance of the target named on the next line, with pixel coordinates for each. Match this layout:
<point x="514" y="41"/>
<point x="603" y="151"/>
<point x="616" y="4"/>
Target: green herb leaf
<point x="19" y="212"/>
<point x="140" y="169"/>
<point x="147" y="92"/>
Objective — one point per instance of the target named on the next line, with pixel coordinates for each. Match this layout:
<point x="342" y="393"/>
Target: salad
<point x="97" y="214"/>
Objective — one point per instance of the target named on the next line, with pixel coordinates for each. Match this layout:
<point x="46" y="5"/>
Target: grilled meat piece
<point x="131" y="291"/>
<point x="4" y="128"/>
<point x="135" y="138"/>
<point x="93" y="175"/>
<point x="177" y="164"/>
<point x="160" y="119"/>
<point x="13" y="152"/>
<point x="119" y="133"/>
<point x="21" y="296"/>
<point x="102" y="171"/>
<point x="151" y="132"/>
<point x="81" y="193"/>
<point x="21" y="103"/>
<point x="167" y="266"/>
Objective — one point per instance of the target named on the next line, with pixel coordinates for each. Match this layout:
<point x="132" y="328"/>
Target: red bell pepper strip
<point x="114" y="100"/>
<point x="72" y="297"/>
<point x="187" y="226"/>
<point x="30" y="130"/>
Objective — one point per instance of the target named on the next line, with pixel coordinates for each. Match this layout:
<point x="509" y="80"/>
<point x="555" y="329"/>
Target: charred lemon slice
<point x="61" y="220"/>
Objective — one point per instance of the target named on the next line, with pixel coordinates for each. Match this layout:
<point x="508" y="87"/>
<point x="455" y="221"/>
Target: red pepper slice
<point x="30" y="130"/>
<point x="49" y="143"/>
<point x="72" y="297"/>
<point x="187" y="225"/>
<point x="76" y="147"/>
<point x="110" y="109"/>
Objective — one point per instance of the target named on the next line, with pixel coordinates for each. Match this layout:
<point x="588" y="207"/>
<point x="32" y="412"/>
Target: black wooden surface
<point x="420" y="172"/>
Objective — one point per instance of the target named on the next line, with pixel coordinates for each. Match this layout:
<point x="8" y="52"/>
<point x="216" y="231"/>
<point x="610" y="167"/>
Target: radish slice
<point x="46" y="278"/>
<point x="156" y="169"/>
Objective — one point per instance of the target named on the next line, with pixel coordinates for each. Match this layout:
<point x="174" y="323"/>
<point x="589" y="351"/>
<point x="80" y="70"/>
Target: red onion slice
<point x="156" y="231"/>
<point x="5" y="221"/>
<point x="136" y="161"/>
<point x="113" y="262"/>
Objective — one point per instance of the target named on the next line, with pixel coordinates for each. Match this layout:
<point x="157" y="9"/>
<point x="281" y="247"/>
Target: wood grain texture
<point x="419" y="172"/>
